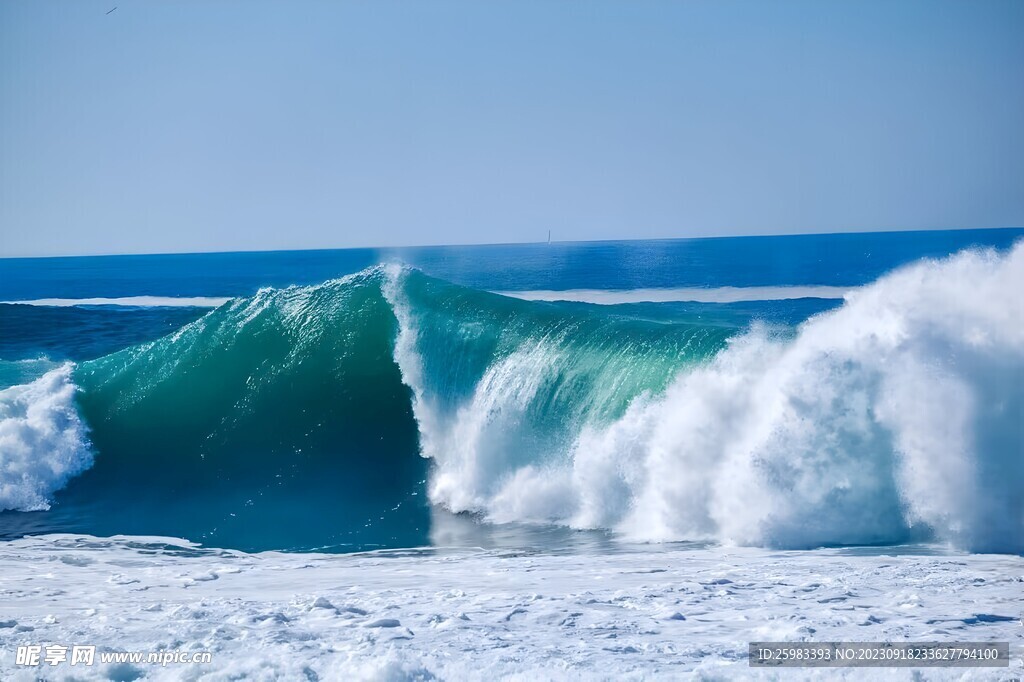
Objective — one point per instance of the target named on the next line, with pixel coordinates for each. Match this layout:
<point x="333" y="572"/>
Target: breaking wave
<point x="293" y="419"/>
<point x="896" y="417"/>
<point x="43" y="442"/>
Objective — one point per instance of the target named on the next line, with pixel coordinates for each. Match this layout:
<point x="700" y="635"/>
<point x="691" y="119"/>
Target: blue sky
<point x="230" y="125"/>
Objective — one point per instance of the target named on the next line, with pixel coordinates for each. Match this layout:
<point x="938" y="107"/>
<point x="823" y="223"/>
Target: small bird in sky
<point x="115" y="7"/>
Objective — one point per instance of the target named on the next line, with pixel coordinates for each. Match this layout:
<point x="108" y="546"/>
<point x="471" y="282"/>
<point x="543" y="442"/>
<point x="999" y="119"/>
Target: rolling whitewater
<point x="347" y="414"/>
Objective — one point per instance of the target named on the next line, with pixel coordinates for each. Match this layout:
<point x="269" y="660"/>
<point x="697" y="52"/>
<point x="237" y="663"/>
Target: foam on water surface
<point x="667" y="614"/>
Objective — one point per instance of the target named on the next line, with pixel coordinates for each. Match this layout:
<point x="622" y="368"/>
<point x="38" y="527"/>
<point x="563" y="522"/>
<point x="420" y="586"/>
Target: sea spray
<point x="43" y="443"/>
<point x="895" y="417"/>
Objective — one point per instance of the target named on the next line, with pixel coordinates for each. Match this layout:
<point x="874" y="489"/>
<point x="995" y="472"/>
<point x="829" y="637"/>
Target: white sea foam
<point x="899" y="413"/>
<point x="42" y="441"/>
<point x="694" y="294"/>
<point x="666" y="613"/>
<point x="130" y="302"/>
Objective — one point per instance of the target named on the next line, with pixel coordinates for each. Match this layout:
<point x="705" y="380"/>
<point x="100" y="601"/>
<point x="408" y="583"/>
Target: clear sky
<point x="230" y="125"/>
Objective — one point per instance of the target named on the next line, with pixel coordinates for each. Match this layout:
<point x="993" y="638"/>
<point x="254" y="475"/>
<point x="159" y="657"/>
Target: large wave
<point x="898" y="416"/>
<point x="294" y="419"/>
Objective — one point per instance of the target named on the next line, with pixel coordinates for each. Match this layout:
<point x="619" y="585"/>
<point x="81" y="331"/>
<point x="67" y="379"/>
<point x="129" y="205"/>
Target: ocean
<point x="614" y="460"/>
<point x="341" y="400"/>
<point x="332" y="399"/>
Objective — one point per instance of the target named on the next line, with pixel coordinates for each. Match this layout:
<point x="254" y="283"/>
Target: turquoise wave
<point x="340" y="416"/>
<point x="283" y="420"/>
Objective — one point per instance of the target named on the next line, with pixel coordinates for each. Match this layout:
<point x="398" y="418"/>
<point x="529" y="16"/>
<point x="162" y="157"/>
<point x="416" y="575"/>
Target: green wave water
<point x="283" y="421"/>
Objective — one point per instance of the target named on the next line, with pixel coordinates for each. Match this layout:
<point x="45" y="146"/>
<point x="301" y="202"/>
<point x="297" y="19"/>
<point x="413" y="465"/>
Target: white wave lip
<point x="129" y="302"/>
<point x="896" y="416"/>
<point x="681" y="295"/>
<point x="43" y="442"/>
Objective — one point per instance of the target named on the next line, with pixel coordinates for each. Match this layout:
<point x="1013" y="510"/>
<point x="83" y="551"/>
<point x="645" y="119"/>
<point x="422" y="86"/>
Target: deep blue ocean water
<point x="830" y="259"/>
<point x="295" y="419"/>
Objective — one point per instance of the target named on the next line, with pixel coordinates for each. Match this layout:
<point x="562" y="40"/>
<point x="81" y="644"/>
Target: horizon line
<point x="496" y="244"/>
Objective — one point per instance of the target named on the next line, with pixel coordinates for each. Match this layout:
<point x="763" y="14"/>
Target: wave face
<point x="277" y="421"/>
<point x="294" y="419"/>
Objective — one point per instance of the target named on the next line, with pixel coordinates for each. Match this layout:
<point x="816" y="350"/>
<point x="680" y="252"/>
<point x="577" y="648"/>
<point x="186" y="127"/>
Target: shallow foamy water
<point x="660" y="612"/>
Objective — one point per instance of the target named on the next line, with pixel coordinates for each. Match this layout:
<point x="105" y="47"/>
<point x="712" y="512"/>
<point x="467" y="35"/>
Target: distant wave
<point x="129" y="301"/>
<point x="689" y="295"/>
<point x="596" y="296"/>
<point x="892" y="418"/>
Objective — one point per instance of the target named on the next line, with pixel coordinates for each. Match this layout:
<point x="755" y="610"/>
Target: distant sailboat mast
<point x="549" y="236"/>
